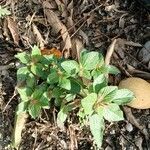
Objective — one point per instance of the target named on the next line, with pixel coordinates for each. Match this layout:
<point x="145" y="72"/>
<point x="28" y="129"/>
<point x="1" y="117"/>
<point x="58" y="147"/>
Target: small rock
<point x="144" y="54"/>
<point x="129" y="127"/>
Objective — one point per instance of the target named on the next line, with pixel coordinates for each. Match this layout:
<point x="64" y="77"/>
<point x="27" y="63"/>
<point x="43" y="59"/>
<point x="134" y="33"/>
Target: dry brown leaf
<point x="39" y="38"/>
<point x="5" y="28"/>
<point x="12" y="26"/>
<point x="122" y="21"/>
<point x="19" y="124"/>
<point x="110" y="51"/>
<point x="84" y="36"/>
<point x="54" y="51"/>
<point x="58" y="26"/>
<point x="77" y="46"/>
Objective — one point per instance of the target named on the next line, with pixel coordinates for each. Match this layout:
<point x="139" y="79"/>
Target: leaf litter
<point x="53" y="19"/>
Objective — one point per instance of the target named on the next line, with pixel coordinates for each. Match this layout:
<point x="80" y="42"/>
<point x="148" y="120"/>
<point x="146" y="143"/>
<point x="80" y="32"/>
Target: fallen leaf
<point x="38" y="35"/>
<point x="19" y="124"/>
<point x="77" y="46"/>
<point x="84" y="36"/>
<point x="12" y="26"/>
<point x="122" y="21"/>
<point x="58" y="26"/>
<point x="56" y="52"/>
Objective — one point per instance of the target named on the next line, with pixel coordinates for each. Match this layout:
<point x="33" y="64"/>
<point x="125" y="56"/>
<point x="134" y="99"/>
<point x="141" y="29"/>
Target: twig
<point x="78" y="29"/>
<point x="139" y="73"/>
<point x="14" y="94"/>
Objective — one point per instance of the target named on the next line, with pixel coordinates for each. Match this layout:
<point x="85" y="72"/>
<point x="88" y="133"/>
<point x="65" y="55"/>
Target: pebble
<point x="129" y="127"/>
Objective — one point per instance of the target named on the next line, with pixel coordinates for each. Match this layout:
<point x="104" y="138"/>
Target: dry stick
<point x="70" y="27"/>
<point x="14" y="94"/>
<point x="139" y="73"/>
<point x="78" y="29"/>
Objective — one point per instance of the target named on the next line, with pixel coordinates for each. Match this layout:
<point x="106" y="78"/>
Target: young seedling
<point x="71" y="85"/>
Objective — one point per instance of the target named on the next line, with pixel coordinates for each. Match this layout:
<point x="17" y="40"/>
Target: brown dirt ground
<point x="95" y="23"/>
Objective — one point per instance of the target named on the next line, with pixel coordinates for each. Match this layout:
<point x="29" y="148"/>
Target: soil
<point x="95" y="23"/>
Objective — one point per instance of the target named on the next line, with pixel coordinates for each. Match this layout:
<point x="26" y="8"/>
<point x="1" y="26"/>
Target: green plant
<point x="4" y="12"/>
<point x="44" y="80"/>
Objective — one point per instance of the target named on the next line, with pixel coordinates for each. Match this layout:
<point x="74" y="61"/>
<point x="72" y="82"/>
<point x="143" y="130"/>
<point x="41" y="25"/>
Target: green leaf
<point x="81" y="115"/>
<point x="50" y="58"/>
<point x="69" y="84"/>
<point x="31" y="80"/>
<point x="89" y="60"/>
<point x="95" y="73"/>
<point x="97" y="127"/>
<point x="88" y="103"/>
<point x="4" y="12"/>
<point x="70" y="97"/>
<point x="34" y="110"/>
<point x="23" y="57"/>
<point x="105" y="69"/>
<point x="25" y="93"/>
<point x="22" y="73"/>
<point x="58" y="95"/>
<point x="57" y="92"/>
<point x="71" y="67"/>
<point x="75" y="86"/>
<point x="38" y="92"/>
<point x="58" y="101"/>
<point x="123" y="96"/>
<point x="53" y="77"/>
<point x="99" y="83"/>
<point x="112" y="112"/>
<point x="37" y="69"/>
<point x="35" y="51"/>
<point x="112" y="69"/>
<point x="22" y="107"/>
<point x="65" y="83"/>
<point x="44" y="100"/>
<point x="38" y="59"/>
<point x="100" y="111"/>
<point x="62" y="115"/>
<point x="85" y="73"/>
<point x="47" y="59"/>
<point x="107" y="93"/>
